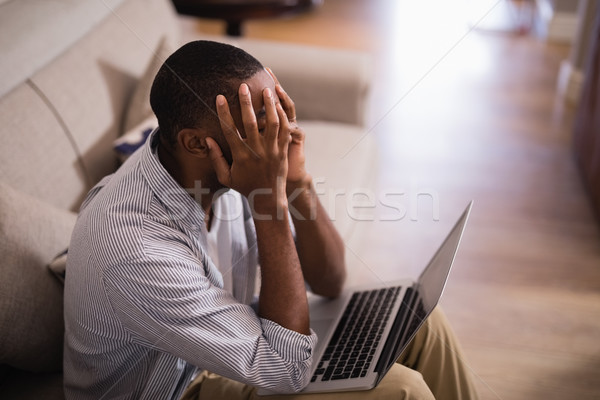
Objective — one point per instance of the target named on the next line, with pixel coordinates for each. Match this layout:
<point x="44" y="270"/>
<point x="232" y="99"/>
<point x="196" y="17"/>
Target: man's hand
<point x="260" y="166"/>
<point x="260" y="161"/>
<point x="297" y="176"/>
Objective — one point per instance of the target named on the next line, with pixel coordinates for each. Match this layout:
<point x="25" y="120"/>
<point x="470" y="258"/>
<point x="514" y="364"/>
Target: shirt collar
<point x="178" y="202"/>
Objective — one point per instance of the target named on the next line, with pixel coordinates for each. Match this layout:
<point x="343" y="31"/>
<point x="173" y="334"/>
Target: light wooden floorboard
<point x="460" y="114"/>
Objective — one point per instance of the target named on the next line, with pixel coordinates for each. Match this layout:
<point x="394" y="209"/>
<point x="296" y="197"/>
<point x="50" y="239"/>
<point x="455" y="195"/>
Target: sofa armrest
<point x="326" y="84"/>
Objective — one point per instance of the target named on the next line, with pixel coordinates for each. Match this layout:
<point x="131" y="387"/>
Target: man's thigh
<point x="212" y="386"/>
<point x="399" y="383"/>
<point x="436" y="353"/>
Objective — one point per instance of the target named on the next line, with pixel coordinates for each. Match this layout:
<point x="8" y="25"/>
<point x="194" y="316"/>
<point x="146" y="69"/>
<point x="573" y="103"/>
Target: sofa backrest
<point x="67" y="77"/>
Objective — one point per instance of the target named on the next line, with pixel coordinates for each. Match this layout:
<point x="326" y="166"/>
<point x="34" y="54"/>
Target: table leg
<point x="234" y="28"/>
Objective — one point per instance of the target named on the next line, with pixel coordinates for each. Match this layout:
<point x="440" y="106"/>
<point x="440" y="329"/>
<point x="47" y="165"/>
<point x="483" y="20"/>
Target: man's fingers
<point x="297" y="135"/>
<point x="219" y="163"/>
<point x="273" y="123"/>
<point x="284" y="129"/>
<point x="227" y="125"/>
<point x="248" y="116"/>
<point x="287" y="103"/>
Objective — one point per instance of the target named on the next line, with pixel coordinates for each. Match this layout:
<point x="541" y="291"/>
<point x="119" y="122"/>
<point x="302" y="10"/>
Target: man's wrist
<point x="303" y="201"/>
<point x="269" y="209"/>
<point x="293" y="187"/>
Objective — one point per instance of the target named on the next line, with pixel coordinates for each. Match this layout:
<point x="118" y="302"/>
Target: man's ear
<point x="193" y="142"/>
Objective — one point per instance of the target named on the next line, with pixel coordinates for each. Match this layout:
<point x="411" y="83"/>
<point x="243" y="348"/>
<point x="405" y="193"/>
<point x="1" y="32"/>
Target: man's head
<point x="185" y="88"/>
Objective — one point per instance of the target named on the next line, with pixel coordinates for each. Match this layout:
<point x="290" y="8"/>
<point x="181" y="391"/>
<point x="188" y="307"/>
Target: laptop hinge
<point x="386" y="359"/>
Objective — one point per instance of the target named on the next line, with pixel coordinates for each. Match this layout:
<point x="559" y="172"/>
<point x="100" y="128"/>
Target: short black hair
<point x="185" y="88"/>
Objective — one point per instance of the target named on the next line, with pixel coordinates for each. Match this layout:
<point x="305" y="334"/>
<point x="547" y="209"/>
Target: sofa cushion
<point x="37" y="156"/>
<point x="341" y="158"/>
<point x="139" y="108"/>
<point x="90" y="84"/>
<point x="32" y="233"/>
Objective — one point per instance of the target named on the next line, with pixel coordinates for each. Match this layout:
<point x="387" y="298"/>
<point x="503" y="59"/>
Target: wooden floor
<point x="466" y="113"/>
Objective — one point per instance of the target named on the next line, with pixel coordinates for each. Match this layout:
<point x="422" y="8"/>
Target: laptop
<point x="363" y="332"/>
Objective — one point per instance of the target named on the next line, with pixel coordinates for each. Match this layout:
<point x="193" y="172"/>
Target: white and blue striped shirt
<point x="145" y="305"/>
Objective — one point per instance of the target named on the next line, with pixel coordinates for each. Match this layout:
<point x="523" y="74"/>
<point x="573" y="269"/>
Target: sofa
<point x="75" y="76"/>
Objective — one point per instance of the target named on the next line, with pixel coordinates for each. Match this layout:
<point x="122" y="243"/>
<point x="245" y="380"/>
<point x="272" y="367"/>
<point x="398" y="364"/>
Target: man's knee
<point x="431" y="335"/>
<point x="402" y="383"/>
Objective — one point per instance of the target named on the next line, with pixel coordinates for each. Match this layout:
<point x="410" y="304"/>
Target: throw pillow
<point x="133" y="139"/>
<point x="31" y="307"/>
<point x="139" y="106"/>
<point x="58" y="266"/>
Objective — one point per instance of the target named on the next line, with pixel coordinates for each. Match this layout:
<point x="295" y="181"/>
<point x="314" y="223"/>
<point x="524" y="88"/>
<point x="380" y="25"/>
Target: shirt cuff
<point x="290" y="345"/>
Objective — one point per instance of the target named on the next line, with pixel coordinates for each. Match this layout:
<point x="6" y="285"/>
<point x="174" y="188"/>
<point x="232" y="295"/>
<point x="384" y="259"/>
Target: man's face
<point x="256" y="84"/>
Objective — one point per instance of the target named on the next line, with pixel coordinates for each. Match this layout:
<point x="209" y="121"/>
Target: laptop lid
<point x="427" y="293"/>
<point x="433" y="279"/>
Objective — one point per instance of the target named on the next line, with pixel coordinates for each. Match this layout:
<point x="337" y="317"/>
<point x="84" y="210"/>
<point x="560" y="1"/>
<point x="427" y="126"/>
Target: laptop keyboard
<point x="350" y="351"/>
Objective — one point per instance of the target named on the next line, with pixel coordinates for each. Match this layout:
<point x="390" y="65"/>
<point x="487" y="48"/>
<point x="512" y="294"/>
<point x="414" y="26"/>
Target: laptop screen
<point x="433" y="279"/>
<point x="422" y="300"/>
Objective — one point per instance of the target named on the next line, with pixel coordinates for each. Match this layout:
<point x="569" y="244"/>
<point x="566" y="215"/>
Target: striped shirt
<point x="145" y="306"/>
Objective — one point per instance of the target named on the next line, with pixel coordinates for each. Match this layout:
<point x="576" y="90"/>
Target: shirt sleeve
<point x="169" y="304"/>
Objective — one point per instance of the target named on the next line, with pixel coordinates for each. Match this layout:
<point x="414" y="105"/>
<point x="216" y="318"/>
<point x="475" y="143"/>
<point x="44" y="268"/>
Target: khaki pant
<point x="432" y="367"/>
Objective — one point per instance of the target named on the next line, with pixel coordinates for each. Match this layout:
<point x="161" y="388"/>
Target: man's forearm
<point x="319" y="245"/>
<point x="282" y="293"/>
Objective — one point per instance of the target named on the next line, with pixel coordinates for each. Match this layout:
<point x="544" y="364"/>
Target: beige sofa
<point x="74" y="76"/>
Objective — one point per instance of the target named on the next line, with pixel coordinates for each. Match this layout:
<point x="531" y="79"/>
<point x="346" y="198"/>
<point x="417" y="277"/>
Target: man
<point x="163" y="259"/>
